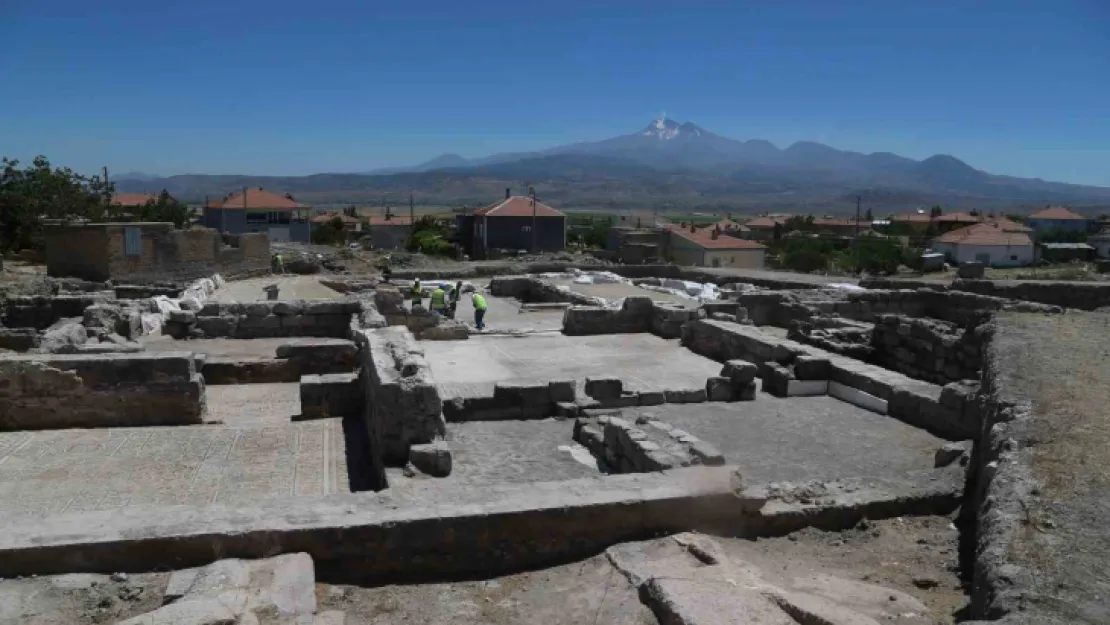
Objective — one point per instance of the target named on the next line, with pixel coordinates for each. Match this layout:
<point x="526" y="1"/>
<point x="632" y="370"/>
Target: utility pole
<point x="412" y="213"/>
<point x="535" y="232"/>
<point x="858" y="199"/>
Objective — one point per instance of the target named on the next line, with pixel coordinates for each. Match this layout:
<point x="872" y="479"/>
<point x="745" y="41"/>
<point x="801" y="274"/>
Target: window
<point x="132" y="242"/>
<point x="1013" y="257"/>
<point x="258" y="217"/>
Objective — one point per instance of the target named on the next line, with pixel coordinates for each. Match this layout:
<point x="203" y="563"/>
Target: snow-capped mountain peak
<point x="663" y="128"/>
<point x="666" y="129"/>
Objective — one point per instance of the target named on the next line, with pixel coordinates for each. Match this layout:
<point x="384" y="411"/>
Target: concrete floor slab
<point x="507" y="452"/>
<point x="642" y="361"/>
<point x="804" y="438"/>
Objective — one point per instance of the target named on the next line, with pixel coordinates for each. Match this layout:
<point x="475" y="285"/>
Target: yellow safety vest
<point x="479" y="302"/>
<point x="438" y="302"/>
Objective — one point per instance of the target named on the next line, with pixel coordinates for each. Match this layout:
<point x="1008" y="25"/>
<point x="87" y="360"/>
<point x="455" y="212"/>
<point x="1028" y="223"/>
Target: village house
<point x="258" y="210"/>
<point x="710" y="247"/>
<point x="995" y="243"/>
<point x="1058" y="218"/>
<point x="508" y="225"/>
<point x="389" y="231"/>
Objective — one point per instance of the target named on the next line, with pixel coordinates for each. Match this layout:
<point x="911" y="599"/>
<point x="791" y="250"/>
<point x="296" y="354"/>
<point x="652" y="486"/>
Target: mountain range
<point x="669" y="166"/>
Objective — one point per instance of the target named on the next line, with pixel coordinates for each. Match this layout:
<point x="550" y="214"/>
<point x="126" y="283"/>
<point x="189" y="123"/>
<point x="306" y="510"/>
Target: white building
<point x="995" y="243"/>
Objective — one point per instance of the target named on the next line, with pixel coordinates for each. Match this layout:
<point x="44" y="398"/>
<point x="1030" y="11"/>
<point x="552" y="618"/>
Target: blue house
<point x="258" y="210"/>
<point x="1056" y="218"/>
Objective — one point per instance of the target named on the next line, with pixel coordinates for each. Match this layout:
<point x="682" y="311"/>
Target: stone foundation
<point x="927" y="349"/>
<point x="403" y="406"/>
<point x="109" y="390"/>
<point x="264" y="320"/>
<point x="331" y="395"/>
<point x="512" y="402"/>
<point x="636" y="314"/>
<point x="622" y="447"/>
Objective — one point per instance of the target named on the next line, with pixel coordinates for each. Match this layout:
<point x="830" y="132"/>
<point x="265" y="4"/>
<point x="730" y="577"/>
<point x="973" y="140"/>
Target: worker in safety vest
<point x="453" y="299"/>
<point x="479" y="310"/>
<point x="417" y="294"/>
<point x="438" y="304"/>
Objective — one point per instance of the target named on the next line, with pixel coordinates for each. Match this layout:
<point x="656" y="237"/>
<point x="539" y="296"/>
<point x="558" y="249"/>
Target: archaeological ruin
<point x="664" y="445"/>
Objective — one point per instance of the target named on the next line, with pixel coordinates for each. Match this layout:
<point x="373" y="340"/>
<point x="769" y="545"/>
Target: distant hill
<point x="668" y="166"/>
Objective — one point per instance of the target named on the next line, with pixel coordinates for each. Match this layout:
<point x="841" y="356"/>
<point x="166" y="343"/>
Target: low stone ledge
<point x="230" y="370"/>
<point x="649" y="445"/>
<point x="103" y="390"/>
<point x="493" y="529"/>
<point x="320" y="355"/>
<point x="330" y="395"/>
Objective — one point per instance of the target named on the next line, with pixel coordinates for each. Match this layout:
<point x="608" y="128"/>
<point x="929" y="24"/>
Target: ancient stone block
<point x="746" y="392"/>
<point x="288" y="308"/>
<point x="718" y="388"/>
<point x="776" y="379"/>
<point x="812" y="368"/>
<point x="685" y="395"/>
<point x="566" y="409"/>
<point x="740" y="371"/>
<point x="706" y="454"/>
<point x="431" y="458"/>
<point x="562" y="390"/>
<point x="217" y="326"/>
<point x="520" y="394"/>
<point x="604" y="388"/>
<point x="951" y="452"/>
<point x="652" y="398"/>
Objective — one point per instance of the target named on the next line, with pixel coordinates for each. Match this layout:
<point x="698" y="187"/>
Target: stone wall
<point x="512" y="401"/>
<point x="42" y="311"/>
<point x="388" y="307"/>
<point x="403" y="406"/>
<point x="927" y="349"/>
<point x="1081" y="295"/>
<point x="98" y="252"/>
<point x="331" y="395"/>
<point x="529" y="289"/>
<point x="265" y="319"/>
<point x="622" y="447"/>
<point x="914" y="401"/>
<point x="109" y="390"/>
<point x="636" y="314"/>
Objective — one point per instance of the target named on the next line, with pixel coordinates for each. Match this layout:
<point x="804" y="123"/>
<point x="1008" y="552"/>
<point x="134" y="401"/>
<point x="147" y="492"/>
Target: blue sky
<point x="283" y="87"/>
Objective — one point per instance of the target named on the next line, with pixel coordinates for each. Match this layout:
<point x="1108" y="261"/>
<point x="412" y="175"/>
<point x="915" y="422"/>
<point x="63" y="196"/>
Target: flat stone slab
<point x="797" y="438"/>
<point x="45" y="473"/>
<point x="641" y="361"/>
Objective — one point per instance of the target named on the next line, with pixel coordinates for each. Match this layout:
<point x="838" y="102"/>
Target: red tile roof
<point x="727" y="224"/>
<point x="995" y="232"/>
<point x="518" y="206"/>
<point x="323" y="218"/>
<point x="958" y="218"/>
<point x="257" y="199"/>
<point x="703" y="237"/>
<point x="921" y="218"/>
<point x="132" y="199"/>
<point x="1057" y="212"/>
<point x="395" y="220"/>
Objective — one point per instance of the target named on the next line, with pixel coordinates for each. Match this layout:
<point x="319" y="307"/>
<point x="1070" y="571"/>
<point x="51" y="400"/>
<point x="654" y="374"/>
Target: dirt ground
<point x="916" y="555"/>
<point x="79" y="599"/>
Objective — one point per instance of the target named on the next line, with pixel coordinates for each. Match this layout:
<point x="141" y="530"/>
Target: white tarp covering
<point x="160" y="305"/>
<point x="598" y="277"/>
<point x="702" y="292"/>
<point x="843" y="286"/>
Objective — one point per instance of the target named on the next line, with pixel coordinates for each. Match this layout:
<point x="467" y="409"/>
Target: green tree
<point x="431" y="237"/>
<point x="39" y="191"/>
<point x="936" y="211"/>
<point x="164" y="208"/>
<point x="869" y="216"/>
<point x="328" y="233"/>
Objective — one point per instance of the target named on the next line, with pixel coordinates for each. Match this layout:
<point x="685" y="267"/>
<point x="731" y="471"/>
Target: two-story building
<point x="257" y="210"/>
<point x="1059" y="218"/>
